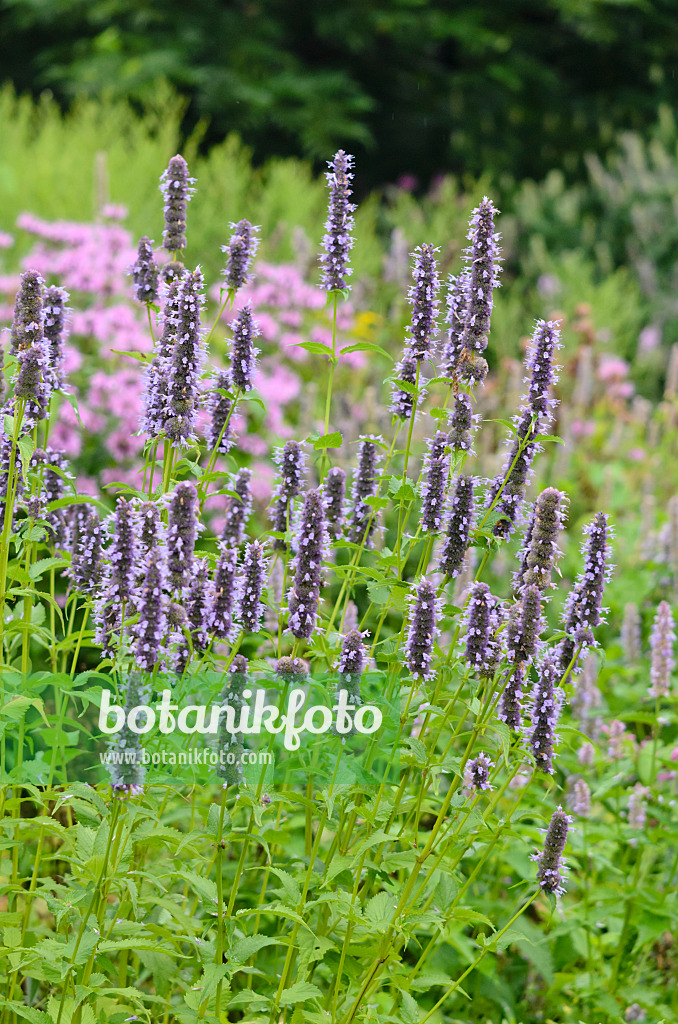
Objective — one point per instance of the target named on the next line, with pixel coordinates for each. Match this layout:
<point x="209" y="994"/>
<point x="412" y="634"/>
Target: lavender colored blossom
<point x="362" y="518"/>
<point x="510" y="708"/>
<point x="634" y="1012"/>
<point x="229" y="745"/>
<point x="334" y="491"/>
<point x="460" y="435"/>
<point x="238" y="510"/>
<point x="170" y="315"/>
<point x="292" y="671"/>
<point x="31" y="384"/>
<point x="662" y="640"/>
<point x="586" y="697"/>
<point x="403" y="400"/>
<point x="151" y="626"/>
<point x="176" y="187"/>
<point x="496" y="648"/>
<point x="27" y="324"/>
<point x="423" y="299"/>
<point x="240" y="252"/>
<point x="181" y="534"/>
<point x="436" y="468"/>
<point x="338" y="240"/>
<point x="550" y="872"/>
<point x="525" y="625"/>
<point x="458" y="528"/>
<point x="243" y="351"/>
<point x="630" y="634"/>
<point x="172" y="272"/>
<point x="423" y="629"/>
<point x="121" y="553"/>
<point x="637" y="806"/>
<point x="304" y="594"/>
<point x="616" y="734"/>
<point x="184" y="367"/>
<point x="199" y="605"/>
<point x="581" y="799"/>
<point x="291" y="460"/>
<point x="546" y="704"/>
<point x="145" y="272"/>
<point x="225" y="593"/>
<point x="582" y="612"/>
<point x="220" y="406"/>
<point x="54" y="328"/>
<point x="541" y="541"/>
<point x="126" y="766"/>
<point x="54" y="467"/>
<point x="540" y="365"/>
<point x="477" y="773"/>
<point x="482" y="257"/>
<point x="251" y="608"/>
<point x="86" y="565"/>
<point x="586" y="755"/>
<point x="148" y="531"/>
<point x="478" y="627"/>
<point x="3" y="388"/>
<point x="457" y="303"/>
<point x="350" y="668"/>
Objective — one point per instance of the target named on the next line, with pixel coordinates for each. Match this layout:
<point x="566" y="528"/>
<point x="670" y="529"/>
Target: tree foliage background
<point x="413" y="87"/>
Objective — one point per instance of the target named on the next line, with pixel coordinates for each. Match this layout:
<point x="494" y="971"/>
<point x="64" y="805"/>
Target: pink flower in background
<point x="612" y="368"/>
<point x="649" y="338"/>
<point x="261" y="484"/>
<point x="582" y="428"/>
<point x="6" y="241"/>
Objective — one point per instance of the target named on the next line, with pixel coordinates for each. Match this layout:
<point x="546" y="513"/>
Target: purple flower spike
<point x="127" y="767"/>
<point x="181" y="533"/>
<point x="335" y="491"/>
<point x="85" y="570"/>
<point x="478" y="633"/>
<point x="145" y="272"/>
<point x="121" y="553"/>
<point x="238" y="510"/>
<point x="524" y="626"/>
<point x="251" y="609"/>
<point x="541" y="541"/>
<point x="27" y="325"/>
<point x="362" y="517"/>
<point x="477" y="773"/>
<point x="240" y="252"/>
<point x="436" y="468"/>
<point x="457" y="304"/>
<point x="186" y="362"/>
<point x="630" y="634"/>
<point x="176" y="187"/>
<point x="546" y="704"/>
<point x="582" y="612"/>
<point x="55" y="468"/>
<point x="31" y="383"/>
<point x="55" y="310"/>
<point x="349" y="673"/>
<point x="581" y="802"/>
<point x="304" y="596"/>
<point x="244" y="353"/>
<point x="151" y="601"/>
<point x="199" y="605"/>
<point x="483" y="259"/>
<point x="220" y="407"/>
<point x="423" y="629"/>
<point x="661" y="644"/>
<point x="338" y="240"/>
<point x="545" y="341"/>
<point x="402" y="400"/>
<point x="423" y="298"/>
<point x="458" y="528"/>
<point x="461" y="427"/>
<point x="510" y="707"/>
<point x="550" y="871"/>
<point x="291" y="460"/>
<point x="225" y="593"/>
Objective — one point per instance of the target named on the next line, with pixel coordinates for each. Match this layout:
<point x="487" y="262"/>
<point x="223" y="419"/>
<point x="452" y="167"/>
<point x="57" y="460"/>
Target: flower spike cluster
<point x="338" y="240"/>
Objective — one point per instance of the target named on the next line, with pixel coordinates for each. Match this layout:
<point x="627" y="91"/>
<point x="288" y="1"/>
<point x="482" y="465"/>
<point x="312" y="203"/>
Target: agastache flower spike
<point x="350" y="668"/>
<point x="240" y="252"/>
<point x="582" y="612"/>
<point x="238" y="510"/>
<point x="186" y="361"/>
<point x="148" y="532"/>
<point x="251" y="608"/>
<point x="335" y="491"/>
<point x="121" y="553"/>
<point x="145" y="272"/>
<point x="27" y="325"/>
<point x="338" y="240"/>
<point x="243" y="352"/>
<point x="85" y="570"/>
<point x="637" y="806"/>
<point x="199" y="605"/>
<point x="126" y="768"/>
<point x="541" y="541"/>
<point x="545" y="340"/>
<point x="458" y="528"/>
<point x="220" y="407"/>
<point x="550" y="871"/>
<point x="175" y="185"/>
<point x="478" y="631"/>
<point x="181" y="532"/>
<point x="31" y="384"/>
<point x="54" y="329"/>
<point x="362" y="517"/>
<point x="483" y="259"/>
<point x="225" y="593"/>
<point x="546" y="704"/>
<point x="403" y="402"/>
<point x="524" y="626"/>
<point x="55" y="464"/>
<point x="510" y="706"/>
<point x="457" y="302"/>
<point x="661" y="644"/>
<point x="152" y="604"/>
<point x="230" y="744"/>
<point x="581" y="802"/>
<point x="477" y="773"/>
<point x="304" y="595"/>
<point x="291" y="460"/>
<point x="436" y="468"/>
<point x="423" y="629"/>
<point x="461" y="427"/>
<point x="423" y="298"/>
<point x="630" y="634"/>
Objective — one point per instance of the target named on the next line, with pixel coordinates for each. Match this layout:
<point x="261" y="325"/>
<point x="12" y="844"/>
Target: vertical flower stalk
<point x="243" y="355"/>
<point x="478" y="627"/>
<point x="350" y="668"/>
<point x="423" y="299"/>
<point x="86" y="565"/>
<point x="546" y="703"/>
<point x="185" y="364"/>
<point x="436" y="469"/>
<point x="582" y="612"/>
<point x="524" y="627"/>
<point x="423" y="629"/>
<point x="457" y="304"/>
<point x="145" y="273"/>
<point x="304" y="595"/>
<point x="240" y="252"/>
<point x="54" y="327"/>
<point x="551" y="867"/>
<point x="458" y="528"/>
<point x="334" y="491"/>
<point x="151" y="626"/>
<point x="27" y="323"/>
<point x="220" y="407"/>
<point x="482" y="257"/>
<point x="541" y="541"/>
<point x="126" y="765"/>
<point x="662" y="641"/>
<point x="199" y="605"/>
<point x="362" y="517"/>
<point x="238" y="509"/>
<point x="338" y="240"/>
<point x="630" y="634"/>
<point x="181" y="534"/>
<point x="229" y="744"/>
<point x="291" y="461"/>
<point x="510" y="708"/>
<point x="460" y="437"/>
<point x="252" y="583"/>
<point x="176" y="187"/>
<point x="225" y="593"/>
<point x="477" y="773"/>
<point x="581" y="799"/>
<point x="405" y="399"/>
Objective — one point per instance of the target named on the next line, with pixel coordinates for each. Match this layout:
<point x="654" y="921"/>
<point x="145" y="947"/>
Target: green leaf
<point x="299" y="993"/>
<point x="139" y="356"/>
<point x="334" y="440"/>
<point x="409" y="1010"/>
<point x="317" y="347"/>
<point x="367" y="346"/>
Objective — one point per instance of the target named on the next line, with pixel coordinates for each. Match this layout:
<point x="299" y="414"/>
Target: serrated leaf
<point x="334" y="440"/>
<point x="299" y="993"/>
